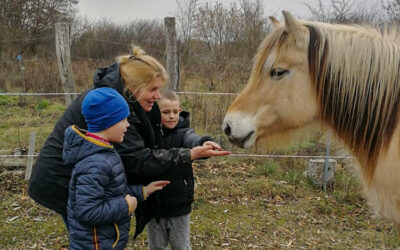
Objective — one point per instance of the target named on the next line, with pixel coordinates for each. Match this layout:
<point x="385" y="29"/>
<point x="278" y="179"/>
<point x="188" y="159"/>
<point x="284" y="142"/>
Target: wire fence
<point x="235" y="155"/>
<point x="207" y="111"/>
<point x="207" y="108"/>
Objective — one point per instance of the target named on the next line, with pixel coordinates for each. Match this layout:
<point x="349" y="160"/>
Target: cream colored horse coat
<point x="341" y="76"/>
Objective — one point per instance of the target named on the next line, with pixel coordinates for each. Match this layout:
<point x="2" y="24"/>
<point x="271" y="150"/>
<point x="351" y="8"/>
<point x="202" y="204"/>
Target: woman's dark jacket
<point x="142" y="160"/>
<point x="98" y="214"/>
<point x="176" y="198"/>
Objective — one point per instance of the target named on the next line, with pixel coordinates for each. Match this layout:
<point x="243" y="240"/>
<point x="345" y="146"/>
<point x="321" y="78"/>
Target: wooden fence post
<point x="63" y="31"/>
<point x="31" y="152"/>
<point x="171" y="61"/>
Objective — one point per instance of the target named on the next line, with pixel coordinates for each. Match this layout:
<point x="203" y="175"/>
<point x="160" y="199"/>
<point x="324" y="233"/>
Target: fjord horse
<point x="345" y="77"/>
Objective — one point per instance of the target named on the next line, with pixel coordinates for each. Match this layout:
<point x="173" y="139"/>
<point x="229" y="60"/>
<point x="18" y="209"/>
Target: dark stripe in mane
<point x="314" y="47"/>
<point x="349" y="114"/>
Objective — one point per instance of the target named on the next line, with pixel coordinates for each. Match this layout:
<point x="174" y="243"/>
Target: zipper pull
<point x="161" y="130"/>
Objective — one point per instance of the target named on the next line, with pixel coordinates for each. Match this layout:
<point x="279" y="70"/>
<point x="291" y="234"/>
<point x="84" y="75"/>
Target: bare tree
<point x="105" y="39"/>
<point x="392" y="9"/>
<point x="225" y="40"/>
<point x="343" y="11"/>
<point x="255" y="27"/>
<point x="28" y="22"/>
<point x="185" y="18"/>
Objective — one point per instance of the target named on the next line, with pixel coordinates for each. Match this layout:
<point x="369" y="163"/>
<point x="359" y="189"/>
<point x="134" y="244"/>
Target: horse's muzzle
<point x="238" y="141"/>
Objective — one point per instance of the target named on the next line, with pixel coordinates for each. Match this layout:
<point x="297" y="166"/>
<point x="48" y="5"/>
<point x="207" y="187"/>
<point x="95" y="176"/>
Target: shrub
<point x="43" y="104"/>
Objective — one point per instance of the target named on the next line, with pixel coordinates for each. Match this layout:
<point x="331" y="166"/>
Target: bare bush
<point x="222" y="43"/>
<point x="106" y="40"/>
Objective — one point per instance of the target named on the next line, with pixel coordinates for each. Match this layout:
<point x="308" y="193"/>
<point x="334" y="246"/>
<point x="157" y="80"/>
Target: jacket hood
<point x="109" y="77"/>
<point x="184" y="120"/>
<point x="78" y="146"/>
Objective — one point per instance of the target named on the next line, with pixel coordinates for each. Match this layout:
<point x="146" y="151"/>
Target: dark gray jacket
<point x="176" y="198"/>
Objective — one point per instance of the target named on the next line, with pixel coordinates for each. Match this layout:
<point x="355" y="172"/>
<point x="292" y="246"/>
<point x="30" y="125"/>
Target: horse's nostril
<point x="227" y="130"/>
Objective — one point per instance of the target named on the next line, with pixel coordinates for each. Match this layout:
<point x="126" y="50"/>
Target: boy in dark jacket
<point x="100" y="202"/>
<point x="171" y="221"/>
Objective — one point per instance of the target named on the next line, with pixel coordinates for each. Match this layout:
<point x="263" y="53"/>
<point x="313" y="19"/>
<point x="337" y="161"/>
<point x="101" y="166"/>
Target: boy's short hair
<point x="169" y="95"/>
<point x="104" y="107"/>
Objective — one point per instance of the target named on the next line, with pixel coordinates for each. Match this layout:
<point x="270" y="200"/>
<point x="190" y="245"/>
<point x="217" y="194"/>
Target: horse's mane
<point x="356" y="74"/>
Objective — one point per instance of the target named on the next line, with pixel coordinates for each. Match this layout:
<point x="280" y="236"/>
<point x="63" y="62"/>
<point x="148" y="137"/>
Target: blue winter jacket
<point x="98" y="214"/>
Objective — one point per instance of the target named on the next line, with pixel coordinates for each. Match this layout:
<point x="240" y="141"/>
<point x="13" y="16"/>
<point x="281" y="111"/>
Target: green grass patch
<point x="8" y="100"/>
<point x="18" y="121"/>
<point x="266" y="169"/>
<point x="43" y="104"/>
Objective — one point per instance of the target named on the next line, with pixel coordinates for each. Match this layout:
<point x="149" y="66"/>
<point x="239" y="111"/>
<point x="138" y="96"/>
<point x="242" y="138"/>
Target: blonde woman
<point x="139" y="78"/>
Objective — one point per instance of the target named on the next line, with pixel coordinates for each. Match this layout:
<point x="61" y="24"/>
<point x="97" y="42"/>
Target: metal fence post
<point x="327" y="152"/>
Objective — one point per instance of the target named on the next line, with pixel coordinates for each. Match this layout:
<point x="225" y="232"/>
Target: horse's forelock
<point x="268" y="52"/>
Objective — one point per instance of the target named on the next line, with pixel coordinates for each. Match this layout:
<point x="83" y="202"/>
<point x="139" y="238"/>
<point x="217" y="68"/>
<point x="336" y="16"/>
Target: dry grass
<point x="236" y="207"/>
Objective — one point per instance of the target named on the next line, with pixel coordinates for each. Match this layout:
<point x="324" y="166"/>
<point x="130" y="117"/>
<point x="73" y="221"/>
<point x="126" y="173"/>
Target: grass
<point x="234" y="209"/>
<point x="241" y="203"/>
<point x="19" y="117"/>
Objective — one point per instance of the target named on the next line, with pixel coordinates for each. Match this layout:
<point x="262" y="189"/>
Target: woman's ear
<point x="180" y="109"/>
<point x="137" y="93"/>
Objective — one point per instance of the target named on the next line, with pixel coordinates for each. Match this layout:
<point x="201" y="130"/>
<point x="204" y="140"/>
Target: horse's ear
<point x="293" y="27"/>
<point x="275" y="22"/>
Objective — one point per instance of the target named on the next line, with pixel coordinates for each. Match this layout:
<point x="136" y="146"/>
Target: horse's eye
<point x="278" y="73"/>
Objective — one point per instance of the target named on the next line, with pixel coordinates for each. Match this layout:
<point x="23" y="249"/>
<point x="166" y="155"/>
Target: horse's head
<point x="278" y="96"/>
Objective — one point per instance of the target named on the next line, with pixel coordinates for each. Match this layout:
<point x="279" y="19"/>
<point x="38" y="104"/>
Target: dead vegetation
<point x="239" y="205"/>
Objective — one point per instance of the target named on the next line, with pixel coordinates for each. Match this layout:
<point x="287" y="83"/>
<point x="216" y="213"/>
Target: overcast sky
<point x="127" y="10"/>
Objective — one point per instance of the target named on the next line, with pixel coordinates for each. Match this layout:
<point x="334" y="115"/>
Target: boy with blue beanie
<point x="100" y="201"/>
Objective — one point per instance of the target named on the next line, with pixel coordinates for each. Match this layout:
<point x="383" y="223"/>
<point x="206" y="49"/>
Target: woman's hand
<point x="212" y="144"/>
<point x="207" y="151"/>
<point x="154" y="186"/>
<point x="132" y="202"/>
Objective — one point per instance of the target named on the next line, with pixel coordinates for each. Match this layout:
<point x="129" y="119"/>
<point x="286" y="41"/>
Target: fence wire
<point x="207" y="112"/>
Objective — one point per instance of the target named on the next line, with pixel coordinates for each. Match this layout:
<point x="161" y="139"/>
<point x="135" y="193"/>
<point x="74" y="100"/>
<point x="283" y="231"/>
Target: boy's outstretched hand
<point x="154" y="186"/>
<point x="208" y="149"/>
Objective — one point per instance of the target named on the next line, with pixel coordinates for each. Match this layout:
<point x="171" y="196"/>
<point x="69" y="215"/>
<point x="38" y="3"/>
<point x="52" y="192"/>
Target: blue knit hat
<point x="102" y="108"/>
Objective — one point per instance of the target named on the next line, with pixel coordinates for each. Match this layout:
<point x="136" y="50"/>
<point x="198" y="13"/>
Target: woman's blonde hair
<point x="139" y="70"/>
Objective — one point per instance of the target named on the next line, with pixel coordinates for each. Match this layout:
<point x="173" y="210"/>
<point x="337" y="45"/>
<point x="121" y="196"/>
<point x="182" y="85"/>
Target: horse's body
<point x="344" y="77"/>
